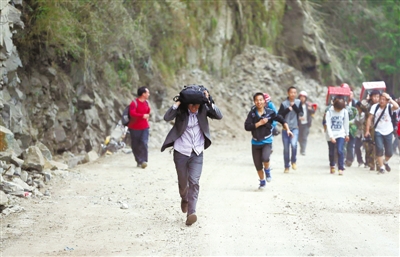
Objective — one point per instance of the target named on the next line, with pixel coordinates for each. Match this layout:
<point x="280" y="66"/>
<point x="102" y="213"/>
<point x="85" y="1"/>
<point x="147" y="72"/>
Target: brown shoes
<point x="192" y="218"/>
<point x="184" y="206"/>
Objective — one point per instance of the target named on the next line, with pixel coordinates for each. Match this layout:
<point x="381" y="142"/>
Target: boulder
<point x="24" y="185"/>
<point x="53" y="165"/>
<point x="16" y="161"/>
<point x="45" y="151"/>
<point x="3" y="198"/>
<point x="24" y="176"/>
<point x="12" y="188"/>
<point x="34" y="159"/>
<point x="85" y="102"/>
<point x="6" y="139"/>
<point x="91" y="156"/>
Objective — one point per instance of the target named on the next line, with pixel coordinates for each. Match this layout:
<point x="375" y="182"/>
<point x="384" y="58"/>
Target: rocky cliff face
<point x="72" y="106"/>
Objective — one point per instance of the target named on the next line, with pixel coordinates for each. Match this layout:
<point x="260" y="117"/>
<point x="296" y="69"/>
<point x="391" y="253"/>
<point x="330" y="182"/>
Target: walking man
<point x="189" y="136"/>
<point x="290" y="110"/>
<point x="380" y="118"/>
<point x="138" y="125"/>
<point x="305" y="121"/>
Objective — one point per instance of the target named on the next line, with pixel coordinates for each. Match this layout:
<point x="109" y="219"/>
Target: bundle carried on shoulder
<point x="192" y="94"/>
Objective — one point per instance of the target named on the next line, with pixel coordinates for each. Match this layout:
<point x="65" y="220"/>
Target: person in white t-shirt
<point x="337" y="133"/>
<point x="380" y="118"/>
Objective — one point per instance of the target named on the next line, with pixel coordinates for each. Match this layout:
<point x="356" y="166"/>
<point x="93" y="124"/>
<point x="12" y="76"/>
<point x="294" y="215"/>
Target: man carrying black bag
<point x="190" y="136"/>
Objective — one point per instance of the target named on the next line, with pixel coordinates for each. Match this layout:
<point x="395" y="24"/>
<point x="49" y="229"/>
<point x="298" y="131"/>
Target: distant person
<point x="189" y="136"/>
<point x="337" y="133"/>
<point x="270" y="104"/>
<point x="352" y="110"/>
<point x="139" y="126"/>
<point x="359" y="136"/>
<point x="380" y="118"/>
<point x="291" y="110"/>
<point x="259" y="121"/>
<point x="396" y="141"/>
<point x="366" y="104"/>
<point x="350" y="101"/>
<point x="305" y="121"/>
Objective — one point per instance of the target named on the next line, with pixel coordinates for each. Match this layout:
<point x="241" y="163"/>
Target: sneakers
<point x="347" y="163"/>
<point x="192" y="218"/>
<point x="143" y="165"/>
<point x="381" y="171"/>
<point x="286" y="170"/>
<point x="333" y="170"/>
<point x="262" y="184"/>
<point x="268" y="175"/>
<point x="340" y="172"/>
<point x="294" y="166"/>
<point x="387" y="167"/>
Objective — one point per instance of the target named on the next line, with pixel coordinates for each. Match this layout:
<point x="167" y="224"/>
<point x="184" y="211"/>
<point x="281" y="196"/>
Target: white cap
<point x="304" y="93"/>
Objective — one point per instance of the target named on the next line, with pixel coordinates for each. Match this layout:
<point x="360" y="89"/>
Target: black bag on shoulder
<point x="193" y="94"/>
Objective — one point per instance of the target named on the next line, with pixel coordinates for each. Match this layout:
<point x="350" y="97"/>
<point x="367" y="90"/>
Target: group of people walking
<point x="348" y="122"/>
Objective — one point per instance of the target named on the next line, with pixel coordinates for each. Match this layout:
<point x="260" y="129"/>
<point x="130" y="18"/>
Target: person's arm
<point x="298" y="109"/>
<point x="283" y="111"/>
<point x="282" y="121"/>
<point x="346" y="124"/>
<point x="329" y="124"/>
<point x="248" y="124"/>
<point x="368" y="125"/>
<point x="213" y="111"/>
<point x="394" y="104"/>
<point x="172" y="112"/>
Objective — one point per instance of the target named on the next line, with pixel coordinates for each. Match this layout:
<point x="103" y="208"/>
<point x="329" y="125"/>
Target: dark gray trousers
<point x="304" y="130"/>
<point x="189" y="170"/>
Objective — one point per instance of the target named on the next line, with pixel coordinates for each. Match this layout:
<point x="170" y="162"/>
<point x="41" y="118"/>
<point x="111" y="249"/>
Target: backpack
<point x="192" y="94"/>
<point x="126" y="117"/>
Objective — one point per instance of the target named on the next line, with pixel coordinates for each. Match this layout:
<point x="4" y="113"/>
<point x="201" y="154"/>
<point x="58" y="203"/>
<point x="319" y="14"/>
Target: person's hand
<point x="386" y="95"/>
<point x="366" y="134"/>
<point x="206" y="93"/>
<point x="263" y="121"/>
<point x="290" y="134"/>
<point x="333" y="141"/>
<point x="146" y="116"/>
<point x="177" y="103"/>
<point x="347" y="139"/>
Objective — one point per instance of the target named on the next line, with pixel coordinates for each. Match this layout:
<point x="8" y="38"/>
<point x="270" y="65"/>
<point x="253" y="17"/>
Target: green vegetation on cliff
<point x="366" y="34"/>
<point x="128" y="41"/>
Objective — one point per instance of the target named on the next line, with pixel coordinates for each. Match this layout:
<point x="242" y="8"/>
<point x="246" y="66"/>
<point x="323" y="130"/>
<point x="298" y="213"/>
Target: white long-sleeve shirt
<point x="337" y="123"/>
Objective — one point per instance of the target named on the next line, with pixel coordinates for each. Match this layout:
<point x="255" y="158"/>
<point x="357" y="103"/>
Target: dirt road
<point x="307" y="212"/>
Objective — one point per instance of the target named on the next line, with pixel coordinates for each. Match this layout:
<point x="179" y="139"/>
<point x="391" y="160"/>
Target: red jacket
<point x="137" y="111"/>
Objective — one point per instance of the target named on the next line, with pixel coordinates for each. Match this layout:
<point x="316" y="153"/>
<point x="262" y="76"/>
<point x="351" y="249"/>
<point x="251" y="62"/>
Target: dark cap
<point x="375" y="92"/>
